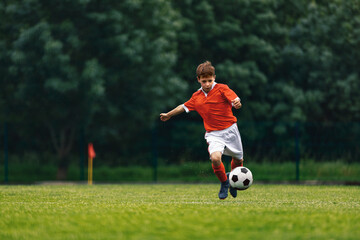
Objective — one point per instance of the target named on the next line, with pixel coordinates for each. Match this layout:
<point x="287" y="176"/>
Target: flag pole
<point x="91" y="154"/>
<point x="90" y="170"/>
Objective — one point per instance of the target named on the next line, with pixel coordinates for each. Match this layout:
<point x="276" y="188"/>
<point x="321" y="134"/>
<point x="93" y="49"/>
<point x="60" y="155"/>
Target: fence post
<point x="82" y="154"/>
<point x="6" y="163"/>
<point x="154" y="152"/>
<point x="297" y="151"/>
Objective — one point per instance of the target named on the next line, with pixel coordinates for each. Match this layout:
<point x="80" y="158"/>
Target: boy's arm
<point x="166" y="116"/>
<point x="231" y="96"/>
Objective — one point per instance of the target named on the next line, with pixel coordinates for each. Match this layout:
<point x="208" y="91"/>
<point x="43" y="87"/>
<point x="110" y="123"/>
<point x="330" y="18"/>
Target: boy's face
<point x="206" y="82"/>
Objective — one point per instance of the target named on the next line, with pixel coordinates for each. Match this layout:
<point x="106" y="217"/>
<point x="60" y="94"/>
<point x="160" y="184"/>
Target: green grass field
<point x="178" y="211"/>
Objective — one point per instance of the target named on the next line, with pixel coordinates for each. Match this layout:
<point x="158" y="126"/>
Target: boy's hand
<point x="164" y="117"/>
<point x="236" y="103"/>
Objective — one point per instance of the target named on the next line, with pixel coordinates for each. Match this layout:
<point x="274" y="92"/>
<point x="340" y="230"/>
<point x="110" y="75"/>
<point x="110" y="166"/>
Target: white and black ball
<point x="241" y="178"/>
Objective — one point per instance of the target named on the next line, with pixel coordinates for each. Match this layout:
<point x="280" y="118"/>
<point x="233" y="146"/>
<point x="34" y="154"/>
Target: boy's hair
<point x="205" y="69"/>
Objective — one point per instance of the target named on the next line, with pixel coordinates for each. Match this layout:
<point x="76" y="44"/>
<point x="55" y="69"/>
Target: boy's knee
<point x="216" y="158"/>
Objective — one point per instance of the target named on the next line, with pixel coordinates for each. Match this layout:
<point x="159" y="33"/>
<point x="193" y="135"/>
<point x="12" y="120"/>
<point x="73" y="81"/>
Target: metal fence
<point x="177" y="142"/>
<point x="276" y="141"/>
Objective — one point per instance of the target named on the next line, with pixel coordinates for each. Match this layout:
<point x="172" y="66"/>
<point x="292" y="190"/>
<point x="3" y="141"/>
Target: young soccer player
<point x="214" y="102"/>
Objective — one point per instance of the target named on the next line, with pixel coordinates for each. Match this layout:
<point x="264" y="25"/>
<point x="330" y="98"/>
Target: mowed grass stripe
<point x="179" y="211"/>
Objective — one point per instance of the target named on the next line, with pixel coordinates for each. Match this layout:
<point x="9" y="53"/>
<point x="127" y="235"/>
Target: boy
<point x="214" y="102"/>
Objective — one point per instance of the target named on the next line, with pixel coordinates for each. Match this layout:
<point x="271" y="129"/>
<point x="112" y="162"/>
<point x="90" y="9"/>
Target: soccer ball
<point x="240" y="178"/>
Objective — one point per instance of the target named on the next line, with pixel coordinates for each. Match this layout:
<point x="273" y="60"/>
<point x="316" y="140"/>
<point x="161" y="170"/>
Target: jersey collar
<point x="210" y="89"/>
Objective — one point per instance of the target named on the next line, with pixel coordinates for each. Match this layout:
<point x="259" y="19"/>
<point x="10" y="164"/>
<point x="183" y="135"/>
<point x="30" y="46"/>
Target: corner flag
<point x="91" y="151"/>
<point x="91" y="155"/>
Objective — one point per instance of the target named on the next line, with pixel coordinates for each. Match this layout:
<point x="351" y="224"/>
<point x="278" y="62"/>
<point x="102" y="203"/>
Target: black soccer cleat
<point x="232" y="190"/>
<point x="223" y="193"/>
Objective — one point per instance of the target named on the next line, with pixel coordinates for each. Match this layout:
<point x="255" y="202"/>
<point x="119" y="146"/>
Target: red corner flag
<point x="91" y="151"/>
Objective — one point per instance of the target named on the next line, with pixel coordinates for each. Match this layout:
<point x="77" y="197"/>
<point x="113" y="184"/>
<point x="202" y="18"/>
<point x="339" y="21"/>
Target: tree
<point x="55" y="87"/>
<point x="71" y="62"/>
<point x="138" y="47"/>
<point x="320" y="62"/>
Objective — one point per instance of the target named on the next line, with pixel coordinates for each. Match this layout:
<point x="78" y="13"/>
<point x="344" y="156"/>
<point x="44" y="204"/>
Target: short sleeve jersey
<point x="215" y="108"/>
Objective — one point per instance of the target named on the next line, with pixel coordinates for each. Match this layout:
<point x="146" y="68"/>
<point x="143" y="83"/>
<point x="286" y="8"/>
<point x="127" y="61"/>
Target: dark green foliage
<point x="99" y="65"/>
<point x="321" y="62"/>
<point x="104" y="70"/>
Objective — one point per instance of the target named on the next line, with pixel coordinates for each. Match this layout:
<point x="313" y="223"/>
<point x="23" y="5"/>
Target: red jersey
<point x="215" y="107"/>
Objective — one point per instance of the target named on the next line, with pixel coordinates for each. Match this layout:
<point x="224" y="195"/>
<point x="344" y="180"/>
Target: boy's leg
<point x="219" y="170"/>
<point x="218" y="166"/>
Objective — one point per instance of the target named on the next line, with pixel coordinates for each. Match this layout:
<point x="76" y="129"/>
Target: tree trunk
<point x="61" y="174"/>
<point x="62" y="143"/>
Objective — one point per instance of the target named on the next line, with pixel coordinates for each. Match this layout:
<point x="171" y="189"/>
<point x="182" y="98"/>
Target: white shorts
<point x="227" y="141"/>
